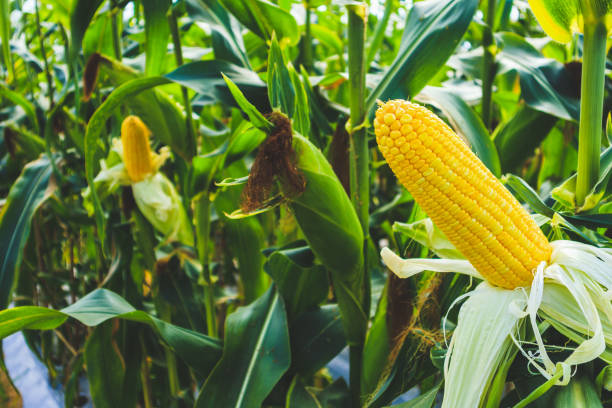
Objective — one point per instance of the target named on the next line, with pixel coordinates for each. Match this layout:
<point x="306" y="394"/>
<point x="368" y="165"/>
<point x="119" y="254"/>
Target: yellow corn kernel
<point x="136" y="150"/>
<point x="463" y="198"/>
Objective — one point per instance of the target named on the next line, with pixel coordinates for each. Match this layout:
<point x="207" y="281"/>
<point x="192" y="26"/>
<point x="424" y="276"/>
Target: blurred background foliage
<point x="252" y="312"/>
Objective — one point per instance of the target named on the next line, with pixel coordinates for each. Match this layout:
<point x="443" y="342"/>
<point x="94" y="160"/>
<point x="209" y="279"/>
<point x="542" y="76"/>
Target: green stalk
<point x="591" y="107"/>
<point x="115" y="16"/>
<point x="307" y="42"/>
<point x="5" y="27"/>
<point x="488" y="68"/>
<point x="379" y="33"/>
<point x="202" y="216"/>
<point x="178" y="55"/>
<point x="145" y="378"/>
<point x="44" y="57"/>
<point x="173" y="380"/>
<point x="359" y="160"/>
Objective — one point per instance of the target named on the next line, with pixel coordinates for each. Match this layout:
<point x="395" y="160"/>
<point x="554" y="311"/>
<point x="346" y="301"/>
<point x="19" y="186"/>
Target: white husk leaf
<point x="404" y="268"/>
<point x="161" y="205"/>
<point x="479" y="343"/>
<point x="427" y="234"/>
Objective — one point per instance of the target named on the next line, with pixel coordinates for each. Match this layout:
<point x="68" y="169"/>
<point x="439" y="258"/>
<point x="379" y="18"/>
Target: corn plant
<point x="204" y="202"/>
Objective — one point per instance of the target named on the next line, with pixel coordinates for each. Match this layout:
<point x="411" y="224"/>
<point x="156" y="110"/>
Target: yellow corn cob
<point x="462" y="197"/>
<point x="136" y="150"/>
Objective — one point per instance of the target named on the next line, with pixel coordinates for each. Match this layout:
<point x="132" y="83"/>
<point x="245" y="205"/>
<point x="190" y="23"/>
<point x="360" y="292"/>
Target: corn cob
<point x="462" y="197"/>
<point x="136" y="150"/>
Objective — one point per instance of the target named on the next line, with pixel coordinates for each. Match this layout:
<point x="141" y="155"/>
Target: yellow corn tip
<point x="463" y="198"/>
<point x="136" y="150"/>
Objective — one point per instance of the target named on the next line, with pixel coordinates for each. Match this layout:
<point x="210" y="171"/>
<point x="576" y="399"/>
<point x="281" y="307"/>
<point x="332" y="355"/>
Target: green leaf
<point x="425" y="400"/>
<point x="317" y="336"/>
<point x="199" y="351"/>
<point x="542" y="80"/>
<point x="80" y="17"/>
<point x="226" y="36"/>
<point x="329" y="222"/>
<point x="580" y="392"/>
<point x="466" y="123"/>
<point x="298" y="396"/>
<point x="5" y="36"/>
<point x="280" y="88"/>
<point x="432" y="30"/>
<point x="524" y="190"/>
<point x="157" y="31"/>
<point x="19" y="99"/>
<point x="561" y="18"/>
<point x="328" y="38"/>
<point x="257" y="119"/>
<point x="263" y="18"/>
<point x="302" y="284"/>
<point x="255" y="356"/>
<point x="604" y="378"/>
<point x="205" y="78"/>
<point x="247" y="238"/>
<point x="517" y="138"/>
<point x="377" y="348"/>
<point x="566" y="192"/>
<point x="28" y="192"/>
<point x="105" y="368"/>
<point x="301" y="111"/>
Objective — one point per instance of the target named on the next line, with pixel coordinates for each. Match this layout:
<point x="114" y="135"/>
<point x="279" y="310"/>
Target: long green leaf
<point x="302" y="284"/>
<point x="227" y="41"/>
<point x="199" y="351"/>
<point x="432" y="30"/>
<point x="30" y="190"/>
<point x="329" y="222"/>
<point x="157" y="31"/>
<point x="541" y="79"/>
<point x="517" y="138"/>
<point x="263" y="18"/>
<point x="80" y="17"/>
<point x="105" y="369"/>
<point x="205" y="78"/>
<point x="5" y="36"/>
<point x="524" y="190"/>
<point x="317" y="336"/>
<point x="255" y="356"/>
<point x="19" y="99"/>
<point x="425" y="400"/>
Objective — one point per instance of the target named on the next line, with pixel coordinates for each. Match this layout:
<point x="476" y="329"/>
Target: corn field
<point x="307" y="204"/>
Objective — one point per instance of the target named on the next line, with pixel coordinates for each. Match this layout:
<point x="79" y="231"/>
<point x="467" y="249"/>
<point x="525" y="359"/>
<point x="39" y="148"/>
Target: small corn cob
<point x="137" y="155"/>
<point x="463" y="198"/>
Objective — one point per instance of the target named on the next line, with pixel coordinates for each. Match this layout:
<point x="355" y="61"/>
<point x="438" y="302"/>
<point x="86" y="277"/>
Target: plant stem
<point x="5" y="35"/>
<point x="48" y="75"/>
<point x="307" y="41"/>
<point x="591" y="107"/>
<point x="115" y="15"/>
<point x="379" y="33"/>
<point x="359" y="162"/>
<point x="173" y="380"/>
<point x="178" y="55"/>
<point x="202" y="216"/>
<point x="488" y="69"/>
